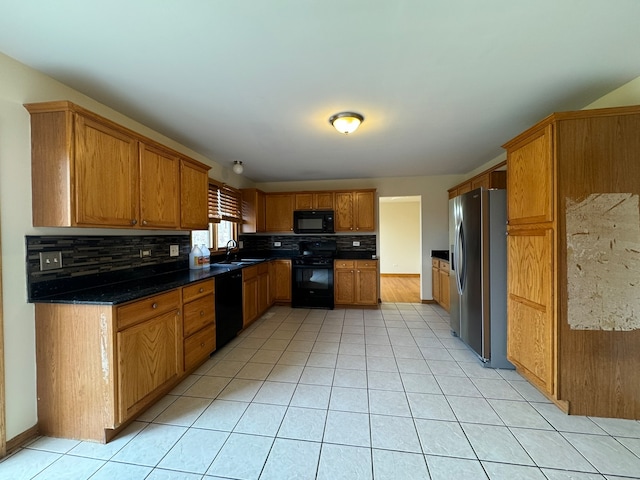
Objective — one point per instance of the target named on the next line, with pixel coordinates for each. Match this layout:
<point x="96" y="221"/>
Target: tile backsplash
<point x="289" y="243"/>
<point x="94" y="260"/>
<point x="100" y="259"/>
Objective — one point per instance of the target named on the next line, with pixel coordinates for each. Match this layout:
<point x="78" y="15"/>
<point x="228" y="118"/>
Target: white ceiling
<point x="441" y="83"/>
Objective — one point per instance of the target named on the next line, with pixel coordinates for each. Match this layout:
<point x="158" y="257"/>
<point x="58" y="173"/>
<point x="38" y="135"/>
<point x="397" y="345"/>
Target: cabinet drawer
<point x="196" y="290"/>
<point x="249" y="273"/>
<point x="198" y="346"/>
<point x="345" y="264"/>
<point x="148" y="307"/>
<point x="444" y="266"/>
<point x="366" y="264"/>
<point x="197" y="314"/>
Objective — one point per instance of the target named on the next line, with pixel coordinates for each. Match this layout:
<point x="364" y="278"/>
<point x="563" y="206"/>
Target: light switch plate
<point x="174" y="250"/>
<point x="50" y="260"/>
<point x="356" y="244"/>
<point x="277" y="244"/>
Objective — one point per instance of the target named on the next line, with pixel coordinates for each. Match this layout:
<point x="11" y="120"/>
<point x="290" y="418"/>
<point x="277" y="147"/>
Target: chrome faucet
<point x="231" y="244"/>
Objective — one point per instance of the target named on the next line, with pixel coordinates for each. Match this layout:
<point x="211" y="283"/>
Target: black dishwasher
<point x="228" y="306"/>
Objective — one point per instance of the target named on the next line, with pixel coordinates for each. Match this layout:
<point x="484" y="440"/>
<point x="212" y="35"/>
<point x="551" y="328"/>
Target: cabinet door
<point x="148" y="360"/>
<point x="304" y="201"/>
<point x="367" y="286"/>
<point x="344" y="286"/>
<point x="159" y="188"/>
<point x="279" y="212"/>
<point x="343" y="221"/>
<point x="464" y="188"/>
<point x="323" y="200"/>
<point x="481" y="181"/>
<point x="249" y="300"/>
<point x="263" y="293"/>
<point x="531" y="330"/>
<point x="194" y="191"/>
<point x="282" y="283"/>
<point x="530" y="180"/>
<point x="253" y="216"/>
<point x="106" y="175"/>
<point x="435" y="283"/>
<point x="444" y="289"/>
<point x="364" y="211"/>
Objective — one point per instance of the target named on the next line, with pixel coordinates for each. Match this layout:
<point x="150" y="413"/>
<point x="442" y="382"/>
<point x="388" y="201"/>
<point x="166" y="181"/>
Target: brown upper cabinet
<point x="194" y="184"/>
<point x="273" y="212"/>
<point x="90" y="172"/>
<point x="355" y="211"/>
<point x="159" y="188"/>
<point x="491" y="178"/>
<point x="314" y="201"/>
<point x="279" y="212"/>
<point x="253" y="214"/>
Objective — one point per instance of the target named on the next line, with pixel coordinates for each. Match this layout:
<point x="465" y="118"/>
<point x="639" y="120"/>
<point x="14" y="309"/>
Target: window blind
<point x="224" y="203"/>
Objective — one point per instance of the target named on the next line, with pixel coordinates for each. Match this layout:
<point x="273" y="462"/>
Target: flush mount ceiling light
<point x="346" y="122"/>
<point x="238" y="167"/>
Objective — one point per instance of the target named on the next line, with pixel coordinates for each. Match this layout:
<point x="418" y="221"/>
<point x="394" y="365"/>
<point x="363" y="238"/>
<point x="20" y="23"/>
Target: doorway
<point x="400" y="232"/>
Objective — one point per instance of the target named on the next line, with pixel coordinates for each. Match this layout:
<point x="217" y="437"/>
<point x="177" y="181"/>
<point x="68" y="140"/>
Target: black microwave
<point x="313" y="221"/>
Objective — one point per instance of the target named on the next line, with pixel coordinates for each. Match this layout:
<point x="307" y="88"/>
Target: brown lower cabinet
<point x="281" y="280"/>
<point x="356" y="282"/>
<point x="440" y="282"/>
<point x="99" y="366"/>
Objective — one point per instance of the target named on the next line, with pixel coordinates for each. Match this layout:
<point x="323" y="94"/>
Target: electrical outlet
<point x="356" y="244"/>
<point x="277" y="244"/>
<point x="240" y="244"/>
<point x="145" y="253"/>
<point x="174" y="250"/>
<point x="50" y="260"/>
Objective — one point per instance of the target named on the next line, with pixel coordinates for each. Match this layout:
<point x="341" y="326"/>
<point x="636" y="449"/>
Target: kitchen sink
<point x="242" y="262"/>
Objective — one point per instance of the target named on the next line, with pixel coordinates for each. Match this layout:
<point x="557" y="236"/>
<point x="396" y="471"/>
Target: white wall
<point x="399" y="237"/>
<point x="20" y="85"/>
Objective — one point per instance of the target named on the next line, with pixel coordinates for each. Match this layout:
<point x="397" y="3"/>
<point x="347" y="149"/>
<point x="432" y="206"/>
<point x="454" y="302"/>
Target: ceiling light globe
<point x="346" y="122"/>
<point x="238" y="167"/>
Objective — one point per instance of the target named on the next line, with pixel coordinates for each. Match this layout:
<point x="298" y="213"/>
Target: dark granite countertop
<point x="122" y="292"/>
<point x="441" y="254"/>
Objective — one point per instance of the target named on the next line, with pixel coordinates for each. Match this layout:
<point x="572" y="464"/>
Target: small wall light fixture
<point x="346" y="122"/>
<point x="238" y="167"/>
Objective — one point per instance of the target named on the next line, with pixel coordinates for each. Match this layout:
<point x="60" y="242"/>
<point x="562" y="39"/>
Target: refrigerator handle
<point x="459" y="251"/>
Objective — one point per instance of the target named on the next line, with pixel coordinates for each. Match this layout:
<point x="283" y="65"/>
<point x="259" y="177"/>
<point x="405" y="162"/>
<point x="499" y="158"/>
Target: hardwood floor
<point x="400" y="288"/>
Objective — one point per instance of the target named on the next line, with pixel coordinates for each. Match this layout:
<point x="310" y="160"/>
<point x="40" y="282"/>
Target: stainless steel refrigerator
<point x="478" y="274"/>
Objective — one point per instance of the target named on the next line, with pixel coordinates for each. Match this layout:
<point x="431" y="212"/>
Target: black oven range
<point x="312" y="275"/>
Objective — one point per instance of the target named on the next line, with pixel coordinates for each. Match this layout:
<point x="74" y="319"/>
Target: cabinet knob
<point x="202" y="313"/>
<point x="202" y="345"/>
<point x="133" y="221"/>
<point x="201" y="290"/>
<point x="154" y="305"/>
<point x="144" y="222"/>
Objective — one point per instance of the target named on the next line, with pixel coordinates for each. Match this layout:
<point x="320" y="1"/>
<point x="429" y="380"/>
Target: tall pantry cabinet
<point x="573" y="246"/>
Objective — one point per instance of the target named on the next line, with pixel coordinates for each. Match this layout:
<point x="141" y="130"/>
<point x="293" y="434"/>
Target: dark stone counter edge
<point x="122" y="292"/>
<point x="441" y="254"/>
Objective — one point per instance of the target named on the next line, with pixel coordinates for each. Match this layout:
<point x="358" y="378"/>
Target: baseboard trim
<point x="429" y="301"/>
<point x="406" y="275"/>
<point x="21" y="439"/>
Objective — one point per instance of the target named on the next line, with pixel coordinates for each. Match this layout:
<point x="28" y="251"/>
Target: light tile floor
<point x="347" y="394"/>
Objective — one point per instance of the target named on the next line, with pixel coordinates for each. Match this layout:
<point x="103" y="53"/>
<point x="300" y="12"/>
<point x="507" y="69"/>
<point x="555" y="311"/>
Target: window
<point x="224" y="215"/>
